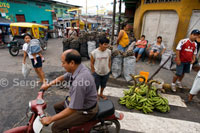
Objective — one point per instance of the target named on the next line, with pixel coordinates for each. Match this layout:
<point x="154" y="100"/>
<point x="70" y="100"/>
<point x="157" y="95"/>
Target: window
<point x="159" y="1"/>
<point x="20" y="17"/>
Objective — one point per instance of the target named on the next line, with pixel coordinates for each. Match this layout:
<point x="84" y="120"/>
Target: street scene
<point x="125" y="66"/>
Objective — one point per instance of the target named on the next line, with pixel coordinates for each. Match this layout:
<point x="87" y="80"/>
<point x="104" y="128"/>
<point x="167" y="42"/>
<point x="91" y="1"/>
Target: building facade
<point x="27" y="11"/>
<point x="171" y="19"/>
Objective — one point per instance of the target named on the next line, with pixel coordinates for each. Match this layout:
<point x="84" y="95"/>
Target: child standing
<point x="101" y="65"/>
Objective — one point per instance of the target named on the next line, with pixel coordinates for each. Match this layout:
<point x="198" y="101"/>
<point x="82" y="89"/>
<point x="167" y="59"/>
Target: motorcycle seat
<point x="106" y="108"/>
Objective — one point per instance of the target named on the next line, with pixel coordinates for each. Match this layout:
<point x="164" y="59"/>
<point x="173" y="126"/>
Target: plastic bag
<point x="117" y="66"/>
<point x="25" y="70"/>
<point x="129" y="67"/>
<point x="131" y="46"/>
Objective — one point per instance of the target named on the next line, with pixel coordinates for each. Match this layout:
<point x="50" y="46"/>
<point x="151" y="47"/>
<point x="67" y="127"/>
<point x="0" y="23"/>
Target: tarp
<point x="4" y="24"/>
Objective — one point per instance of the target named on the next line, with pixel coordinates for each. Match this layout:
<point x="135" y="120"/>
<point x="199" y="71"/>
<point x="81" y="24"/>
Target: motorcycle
<point x="106" y="120"/>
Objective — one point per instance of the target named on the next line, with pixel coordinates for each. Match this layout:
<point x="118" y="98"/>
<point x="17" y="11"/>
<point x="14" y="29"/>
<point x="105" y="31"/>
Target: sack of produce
<point x="83" y="48"/>
<point x="165" y="56"/>
<point x="116" y="66"/>
<point x="74" y="44"/>
<point x="91" y="46"/>
<point x="129" y="65"/>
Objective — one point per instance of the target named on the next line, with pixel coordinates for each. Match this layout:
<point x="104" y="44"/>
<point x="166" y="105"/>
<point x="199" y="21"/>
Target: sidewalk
<point x="164" y="74"/>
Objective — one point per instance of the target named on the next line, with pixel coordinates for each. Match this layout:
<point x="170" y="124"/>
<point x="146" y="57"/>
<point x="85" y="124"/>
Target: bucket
<point x="145" y="74"/>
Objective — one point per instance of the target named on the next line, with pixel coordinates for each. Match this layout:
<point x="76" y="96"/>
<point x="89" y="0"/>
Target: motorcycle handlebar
<point x="42" y="90"/>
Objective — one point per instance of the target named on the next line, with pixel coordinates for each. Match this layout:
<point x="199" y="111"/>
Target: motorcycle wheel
<point x="13" y="50"/>
<point x="109" y="126"/>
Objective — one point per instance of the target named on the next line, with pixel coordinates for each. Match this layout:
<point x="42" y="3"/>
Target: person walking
<point x="101" y="65"/>
<point x="185" y="56"/>
<point x="37" y="66"/>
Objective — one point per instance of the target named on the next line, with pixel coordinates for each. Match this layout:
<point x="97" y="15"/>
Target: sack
<point x="25" y="70"/>
<point x="117" y="66"/>
<point x="165" y="56"/>
<point x="74" y="44"/>
<point x="131" y="46"/>
<point x="91" y="46"/>
<point x="129" y="67"/>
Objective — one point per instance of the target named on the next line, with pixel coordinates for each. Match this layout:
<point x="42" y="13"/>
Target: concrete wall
<point x="183" y="9"/>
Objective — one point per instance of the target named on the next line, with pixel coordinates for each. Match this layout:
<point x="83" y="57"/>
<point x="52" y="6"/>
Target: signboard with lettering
<point x="4" y="6"/>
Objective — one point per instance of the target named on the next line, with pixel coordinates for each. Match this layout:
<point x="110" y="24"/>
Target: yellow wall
<point x="183" y="9"/>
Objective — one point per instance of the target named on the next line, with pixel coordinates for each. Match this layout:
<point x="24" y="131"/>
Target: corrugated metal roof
<point x="3" y="20"/>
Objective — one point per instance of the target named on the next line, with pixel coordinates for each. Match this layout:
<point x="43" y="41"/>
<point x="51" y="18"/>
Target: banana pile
<point x="143" y="96"/>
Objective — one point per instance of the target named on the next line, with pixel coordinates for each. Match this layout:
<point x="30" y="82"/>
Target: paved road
<point x="14" y="98"/>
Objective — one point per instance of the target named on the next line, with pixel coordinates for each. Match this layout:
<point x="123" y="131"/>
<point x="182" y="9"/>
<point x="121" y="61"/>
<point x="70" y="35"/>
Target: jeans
<point x="120" y="48"/>
<point x="139" y="50"/>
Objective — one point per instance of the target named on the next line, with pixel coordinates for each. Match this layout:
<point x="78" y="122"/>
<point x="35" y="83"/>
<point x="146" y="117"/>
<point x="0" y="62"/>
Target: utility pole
<point x="97" y="16"/>
<point x="86" y="16"/>
<point x="113" y="24"/>
<point x="120" y="8"/>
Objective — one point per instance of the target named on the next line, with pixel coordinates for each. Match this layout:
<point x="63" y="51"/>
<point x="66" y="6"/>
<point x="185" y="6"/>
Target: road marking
<point x="139" y="122"/>
<point x="118" y="92"/>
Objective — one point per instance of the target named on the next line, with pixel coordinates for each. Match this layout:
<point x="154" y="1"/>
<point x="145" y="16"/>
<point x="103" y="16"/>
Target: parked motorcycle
<point x="17" y="44"/>
<point x="106" y="119"/>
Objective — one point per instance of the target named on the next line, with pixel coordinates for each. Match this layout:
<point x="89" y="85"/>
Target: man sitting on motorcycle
<point x="81" y="104"/>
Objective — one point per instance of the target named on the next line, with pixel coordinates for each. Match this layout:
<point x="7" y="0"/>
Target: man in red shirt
<point x="185" y="55"/>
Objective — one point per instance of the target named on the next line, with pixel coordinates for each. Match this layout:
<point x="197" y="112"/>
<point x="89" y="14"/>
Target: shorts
<point x="39" y="62"/>
<point x="120" y="48"/>
<point x="196" y="86"/>
<point x="35" y="49"/>
<point x="139" y="50"/>
<point x="100" y="80"/>
<point x="182" y="68"/>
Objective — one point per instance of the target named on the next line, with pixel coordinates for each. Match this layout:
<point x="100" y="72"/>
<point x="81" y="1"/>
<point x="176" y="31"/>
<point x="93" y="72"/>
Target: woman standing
<point x="38" y="66"/>
<point x="123" y="40"/>
<point x="156" y="48"/>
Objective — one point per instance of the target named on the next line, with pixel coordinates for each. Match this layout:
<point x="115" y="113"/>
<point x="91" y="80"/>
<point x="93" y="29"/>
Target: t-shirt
<point x="25" y="48"/>
<point x="187" y="49"/>
<point x="124" y="41"/>
<point x="141" y="42"/>
<point x="101" y="61"/>
<point x="157" y="47"/>
<point x="82" y="90"/>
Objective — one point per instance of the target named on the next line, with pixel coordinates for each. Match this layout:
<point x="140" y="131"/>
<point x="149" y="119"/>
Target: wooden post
<point x="113" y="24"/>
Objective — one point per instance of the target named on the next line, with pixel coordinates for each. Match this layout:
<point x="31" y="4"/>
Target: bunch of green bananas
<point x="144" y="97"/>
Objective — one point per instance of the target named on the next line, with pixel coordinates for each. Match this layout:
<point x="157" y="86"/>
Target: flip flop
<point x="104" y="97"/>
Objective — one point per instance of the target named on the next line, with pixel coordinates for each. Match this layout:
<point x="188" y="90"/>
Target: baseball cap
<point x="195" y="31"/>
